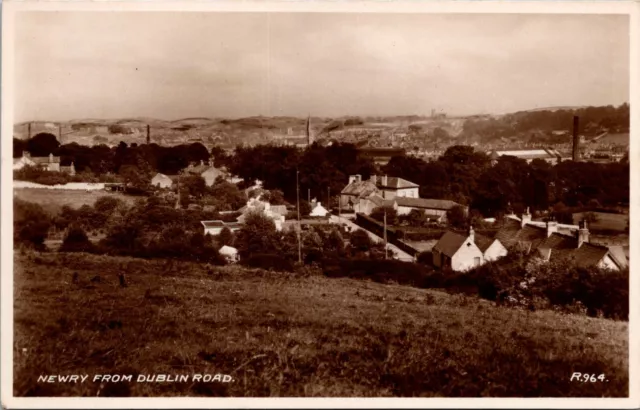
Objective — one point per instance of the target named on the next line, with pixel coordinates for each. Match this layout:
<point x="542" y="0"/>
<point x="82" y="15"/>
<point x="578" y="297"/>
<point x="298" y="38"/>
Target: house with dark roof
<point x="207" y="171"/>
<point x="355" y="190"/>
<point x="457" y="252"/>
<point x="460" y="252"/>
<point x="391" y="187"/>
<point x="550" y="245"/>
<point x="161" y="181"/>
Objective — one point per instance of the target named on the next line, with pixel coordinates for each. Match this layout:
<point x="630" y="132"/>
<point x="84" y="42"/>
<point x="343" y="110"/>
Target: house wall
<point x="53" y="166"/>
<point x="213" y="231"/>
<point x="210" y="176"/>
<point x="463" y="259"/>
<point x="495" y="251"/>
<point x="161" y="182"/>
<point x="607" y="263"/>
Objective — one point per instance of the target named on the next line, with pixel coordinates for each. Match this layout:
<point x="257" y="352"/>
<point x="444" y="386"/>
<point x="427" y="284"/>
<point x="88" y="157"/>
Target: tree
<point x="378" y="214"/>
<point x="457" y="217"/>
<point x="42" y="144"/>
<point x="417" y="217"/>
<point x="31" y="223"/>
<point x="305" y="208"/>
<point x="360" y="241"/>
<point x="106" y="204"/>
<point x="133" y="176"/>
<point x="76" y="240"/>
<point x="257" y="236"/>
<point x="195" y="184"/>
<point x="225" y="237"/>
<point x="334" y="242"/>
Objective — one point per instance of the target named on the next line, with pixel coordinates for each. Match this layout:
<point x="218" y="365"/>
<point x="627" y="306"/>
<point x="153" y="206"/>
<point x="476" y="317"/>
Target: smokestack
<point x="576" y="138"/>
<point x="148" y="134"/>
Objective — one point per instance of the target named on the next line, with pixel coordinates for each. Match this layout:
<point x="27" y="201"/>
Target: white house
<point x="215" y="227"/>
<point x="276" y="213"/>
<point x="318" y="209"/>
<point x="161" y="181"/>
<point x="229" y="253"/>
<point x="461" y="253"/>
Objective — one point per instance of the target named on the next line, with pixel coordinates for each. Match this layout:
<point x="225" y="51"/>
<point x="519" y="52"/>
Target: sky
<point x="168" y="65"/>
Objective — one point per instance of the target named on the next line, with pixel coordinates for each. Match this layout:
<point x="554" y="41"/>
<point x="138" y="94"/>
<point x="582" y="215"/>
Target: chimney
<point x="384" y="180"/>
<point x="50" y="158"/>
<point x="26" y="154"/>
<point x="201" y="162"/>
<point x="576" y="138"/>
<point x="210" y="162"/>
<point x="374" y="179"/>
<point x="358" y="178"/>
<point x="472" y="234"/>
<point x="552" y="227"/>
<point x="526" y="218"/>
<point x="583" y="233"/>
<point x="352" y="179"/>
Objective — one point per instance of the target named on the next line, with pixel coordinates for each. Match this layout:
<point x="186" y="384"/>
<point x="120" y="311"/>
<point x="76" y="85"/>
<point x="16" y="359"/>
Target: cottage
<point x="49" y="163"/>
<point x="549" y="244"/>
<point x="161" y="181"/>
<point x="276" y="213"/>
<point x="317" y="209"/>
<point x="457" y="252"/>
<point x="433" y="208"/>
<point x="207" y="171"/>
<point x="229" y="253"/>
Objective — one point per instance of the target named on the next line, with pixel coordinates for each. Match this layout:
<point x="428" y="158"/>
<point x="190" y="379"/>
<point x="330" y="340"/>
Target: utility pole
<point x="60" y="133"/>
<point x="385" y="235"/>
<point x="329" y="198"/>
<point x="299" y="228"/>
<point x="29" y="130"/>
<point x="148" y="134"/>
<point x="309" y="195"/>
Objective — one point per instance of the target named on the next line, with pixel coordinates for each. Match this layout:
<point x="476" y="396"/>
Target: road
<point x="399" y="253"/>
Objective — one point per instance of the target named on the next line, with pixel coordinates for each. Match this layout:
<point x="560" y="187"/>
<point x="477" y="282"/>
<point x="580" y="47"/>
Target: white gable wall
<point x="467" y="257"/>
<point x="495" y="251"/>
<point x="607" y="263"/>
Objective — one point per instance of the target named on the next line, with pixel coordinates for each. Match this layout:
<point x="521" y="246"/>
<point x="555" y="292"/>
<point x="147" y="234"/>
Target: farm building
<point x="49" y="163"/>
<point x="317" y="209"/>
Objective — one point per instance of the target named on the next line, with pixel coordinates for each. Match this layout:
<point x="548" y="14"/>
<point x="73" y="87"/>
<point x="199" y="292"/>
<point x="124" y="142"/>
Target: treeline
<point x="593" y="120"/>
<point x="461" y="174"/>
<point x="469" y="178"/>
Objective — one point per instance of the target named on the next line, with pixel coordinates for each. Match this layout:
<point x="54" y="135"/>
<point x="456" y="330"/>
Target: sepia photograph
<point x="298" y="201"/>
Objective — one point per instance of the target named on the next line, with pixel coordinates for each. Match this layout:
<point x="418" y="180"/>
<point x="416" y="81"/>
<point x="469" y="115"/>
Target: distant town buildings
<point x="546" y="154"/>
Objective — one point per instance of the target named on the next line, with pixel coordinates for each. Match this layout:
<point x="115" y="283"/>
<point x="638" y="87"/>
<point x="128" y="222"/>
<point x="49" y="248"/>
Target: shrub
<point x="269" y="262"/>
<point x="31" y="224"/>
<point x="76" y="240"/>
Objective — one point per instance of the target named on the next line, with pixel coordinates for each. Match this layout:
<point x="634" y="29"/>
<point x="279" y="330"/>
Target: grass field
<point x="288" y="335"/>
<point x="606" y="221"/>
<point x="52" y="200"/>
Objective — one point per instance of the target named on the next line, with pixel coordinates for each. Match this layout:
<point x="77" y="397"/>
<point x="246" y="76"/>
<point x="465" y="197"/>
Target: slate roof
<point x="449" y="243"/>
<point x="483" y="242"/>
<point x="512" y="235"/>
<point x="394" y="183"/>
<point x="424" y="203"/>
<point x="559" y="247"/>
<point x="279" y="209"/>
<point x="618" y="254"/>
<point x="212" y="224"/>
<point x="360" y="189"/>
<point x="380" y="201"/>
<point x="198" y="169"/>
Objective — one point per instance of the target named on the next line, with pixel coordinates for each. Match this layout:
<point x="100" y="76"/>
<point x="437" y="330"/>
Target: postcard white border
<point x="9" y="8"/>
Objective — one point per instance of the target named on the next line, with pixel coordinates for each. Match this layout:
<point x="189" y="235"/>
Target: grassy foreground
<point x="285" y="335"/>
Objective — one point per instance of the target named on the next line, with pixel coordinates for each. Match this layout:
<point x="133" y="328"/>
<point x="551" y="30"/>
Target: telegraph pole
<point x="299" y="228"/>
<point x="309" y="195"/>
<point x="386" y="256"/>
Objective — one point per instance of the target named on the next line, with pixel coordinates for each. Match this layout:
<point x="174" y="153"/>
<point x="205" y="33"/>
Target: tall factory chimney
<point x="148" y="135"/>
<point x="576" y="138"/>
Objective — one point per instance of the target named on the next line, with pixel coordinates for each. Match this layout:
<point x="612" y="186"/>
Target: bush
<point x="269" y="262"/>
<point x="31" y="224"/>
<point x="76" y="240"/>
<point x="383" y="271"/>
